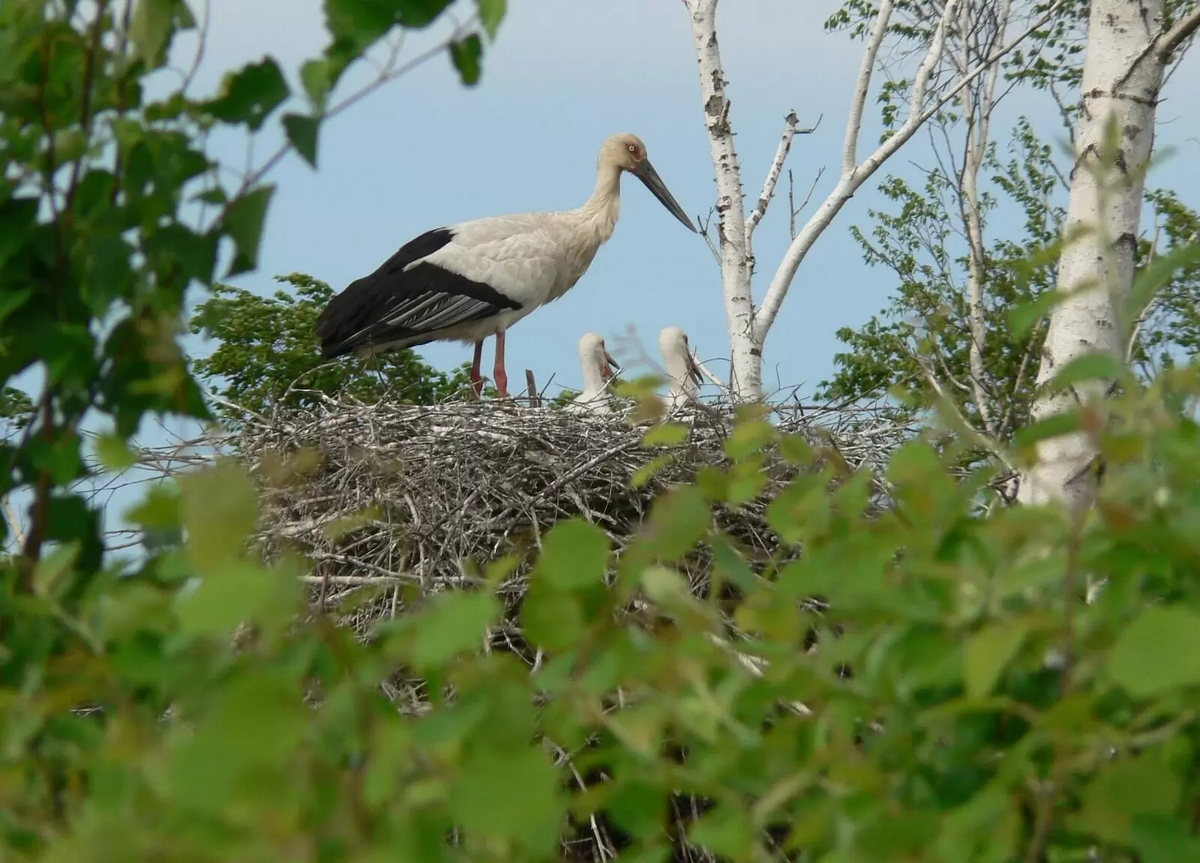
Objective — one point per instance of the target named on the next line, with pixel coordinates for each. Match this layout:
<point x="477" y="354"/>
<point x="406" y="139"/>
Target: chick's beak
<point x="610" y="367"/>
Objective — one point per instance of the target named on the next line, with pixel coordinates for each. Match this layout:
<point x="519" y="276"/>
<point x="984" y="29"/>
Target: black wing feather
<point x="393" y="304"/>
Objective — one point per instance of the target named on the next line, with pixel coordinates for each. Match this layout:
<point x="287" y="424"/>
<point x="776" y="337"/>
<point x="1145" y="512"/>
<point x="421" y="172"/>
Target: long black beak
<point x="645" y="172"/>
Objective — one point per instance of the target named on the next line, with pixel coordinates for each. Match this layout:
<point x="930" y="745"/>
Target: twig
<point x="790" y="123"/>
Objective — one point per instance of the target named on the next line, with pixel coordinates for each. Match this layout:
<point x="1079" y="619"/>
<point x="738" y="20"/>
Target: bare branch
<point x="705" y="224"/>
<point x="768" y="190"/>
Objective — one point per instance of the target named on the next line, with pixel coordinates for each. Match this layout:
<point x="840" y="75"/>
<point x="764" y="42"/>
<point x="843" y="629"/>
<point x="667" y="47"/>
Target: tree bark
<point x="745" y="378"/>
<point x="1128" y="50"/>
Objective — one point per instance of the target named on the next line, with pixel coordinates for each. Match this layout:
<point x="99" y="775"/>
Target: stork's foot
<point x="476" y="387"/>
<point x="501" y="384"/>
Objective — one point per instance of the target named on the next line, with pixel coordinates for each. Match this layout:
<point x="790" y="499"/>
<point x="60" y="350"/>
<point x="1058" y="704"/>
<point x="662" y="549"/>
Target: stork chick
<point x="683" y="374"/>
<point x="598" y="366"/>
<point x="477" y="278"/>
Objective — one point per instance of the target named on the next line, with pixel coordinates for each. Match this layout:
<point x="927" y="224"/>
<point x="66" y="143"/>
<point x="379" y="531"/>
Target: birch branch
<point x="862" y="85"/>
<point x="1183" y="30"/>
<point x="854" y="175"/>
<point x="768" y="190"/>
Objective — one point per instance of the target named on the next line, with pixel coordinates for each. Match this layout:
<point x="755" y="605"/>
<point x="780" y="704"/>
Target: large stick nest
<point x="401" y="494"/>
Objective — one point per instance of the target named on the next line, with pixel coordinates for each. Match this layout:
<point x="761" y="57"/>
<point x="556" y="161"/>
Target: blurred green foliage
<point x="268" y="356"/>
<point x="988" y="714"/>
<point x="963" y="703"/>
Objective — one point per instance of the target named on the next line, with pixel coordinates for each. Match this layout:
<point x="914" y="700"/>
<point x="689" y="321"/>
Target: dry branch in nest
<point x="426" y="497"/>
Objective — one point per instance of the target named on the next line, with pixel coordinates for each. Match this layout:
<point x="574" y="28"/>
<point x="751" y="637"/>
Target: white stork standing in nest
<point x="468" y="281"/>
<point x="681" y="367"/>
<point x="598" y="366"/>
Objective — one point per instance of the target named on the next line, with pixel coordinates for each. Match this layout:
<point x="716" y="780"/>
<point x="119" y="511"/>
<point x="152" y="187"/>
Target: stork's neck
<point x="604" y="206"/>
<point x="682" y="384"/>
<point x="593" y="381"/>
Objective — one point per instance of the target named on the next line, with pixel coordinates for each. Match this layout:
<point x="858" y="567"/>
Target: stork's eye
<point x="633" y="149"/>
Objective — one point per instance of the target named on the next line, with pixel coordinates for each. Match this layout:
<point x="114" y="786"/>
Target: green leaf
<point x="666" y="434"/>
<point x="453" y="623"/>
<point x="1050" y="427"/>
<point x="251" y="94"/>
<point x="318" y="78"/>
<point x="574" y="554"/>
<point x="53" y="570"/>
<point x="678" y="519"/>
<point x="1125" y="789"/>
<point x="491" y="13"/>
<point x="152" y="26"/>
<point x="1156" y="653"/>
<point x="243" y="223"/>
<point x="987" y="654"/>
<point x="234" y="594"/>
<point x="1154" y="277"/>
<point x="663" y="585"/>
<point x="220" y="509"/>
<point x="1098" y="366"/>
<point x="1023" y="317"/>
<point x="1159" y="838"/>
<point x="796" y="450"/>
<point x="302" y="133"/>
<point x="114" y="453"/>
<point x="748" y="437"/>
<point x="646" y="472"/>
<point x="466" y="53"/>
<point x="551" y="618"/>
<point x="509" y="794"/>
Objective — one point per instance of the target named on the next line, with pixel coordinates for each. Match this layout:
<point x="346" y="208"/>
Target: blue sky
<point x="426" y="151"/>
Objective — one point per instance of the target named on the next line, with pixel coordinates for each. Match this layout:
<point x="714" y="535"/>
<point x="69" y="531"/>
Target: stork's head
<point x="626" y="152"/>
<point x="594" y="355"/>
<point x="677" y="354"/>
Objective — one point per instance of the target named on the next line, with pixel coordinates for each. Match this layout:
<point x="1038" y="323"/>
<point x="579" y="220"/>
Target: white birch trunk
<point x="1127" y="53"/>
<point x="745" y="378"/>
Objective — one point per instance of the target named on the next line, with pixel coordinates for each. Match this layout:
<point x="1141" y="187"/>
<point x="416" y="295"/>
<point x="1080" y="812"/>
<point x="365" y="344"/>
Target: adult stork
<point x="474" y="279"/>
<point x="683" y="372"/>
<point x="598" y="366"/>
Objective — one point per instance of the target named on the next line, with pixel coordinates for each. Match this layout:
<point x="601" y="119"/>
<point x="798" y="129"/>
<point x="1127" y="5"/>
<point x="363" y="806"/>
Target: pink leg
<point x="476" y="378"/>
<point x="498" y="373"/>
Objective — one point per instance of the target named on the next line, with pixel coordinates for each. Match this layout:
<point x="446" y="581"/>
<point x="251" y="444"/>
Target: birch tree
<point x="1130" y="46"/>
<point x="935" y="83"/>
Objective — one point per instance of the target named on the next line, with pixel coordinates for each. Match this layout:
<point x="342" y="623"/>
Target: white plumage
<point x="598" y="365"/>
<point x="474" y="279"/>
<point x="683" y="374"/>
